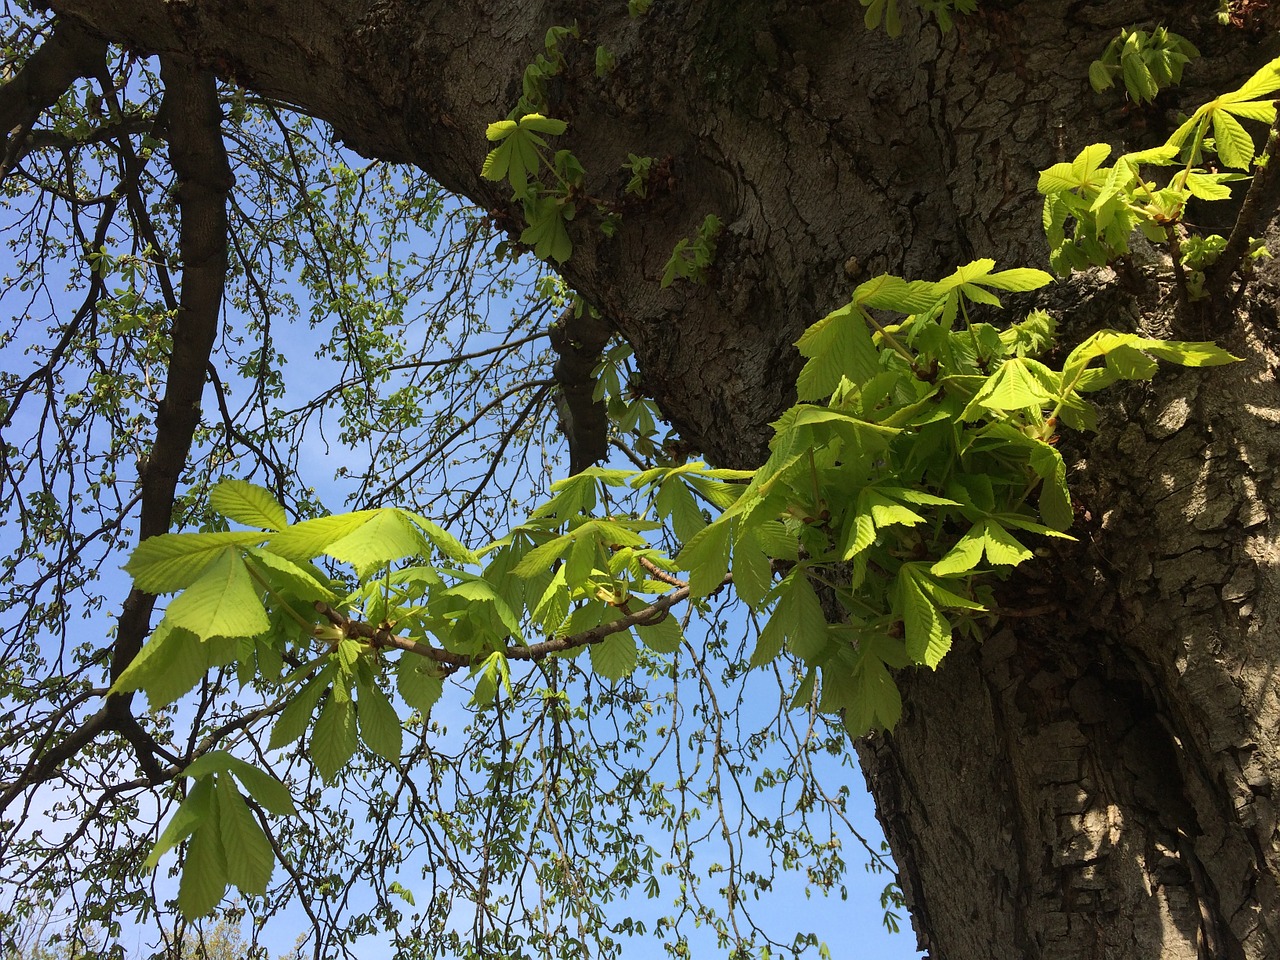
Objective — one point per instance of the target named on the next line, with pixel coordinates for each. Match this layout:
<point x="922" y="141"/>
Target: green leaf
<point x="1231" y="141"/>
<point x="887" y="292"/>
<point x="665" y="636"/>
<point x="293" y="719"/>
<point x="204" y="873"/>
<point x="1013" y="387"/>
<point x="1188" y="354"/>
<point x="553" y="606"/>
<point x="769" y="643"/>
<point x="542" y="557"/>
<point x="928" y="633"/>
<point x="706" y="557"/>
<point x="1055" y="499"/>
<point x="419" y="682"/>
<point x="223" y="602"/>
<point x="675" y="501"/>
<point x="614" y="657"/>
<point x="752" y="571"/>
<point x="308" y="539"/>
<point x="802" y="617"/>
<point x="193" y="811"/>
<point x="379" y="725"/>
<point x="249" y="859"/>
<point x="965" y="555"/>
<point x="333" y="741"/>
<point x="264" y="788"/>
<point x="443" y="540"/>
<point x="546" y="231"/>
<point x="285" y="573"/>
<point x="839" y="345"/>
<point x="1262" y="83"/>
<point x="173" y="561"/>
<point x="386" y="536"/>
<point x="248" y="503"/>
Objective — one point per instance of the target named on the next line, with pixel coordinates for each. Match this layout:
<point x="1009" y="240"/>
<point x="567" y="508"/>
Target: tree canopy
<point x="839" y="433"/>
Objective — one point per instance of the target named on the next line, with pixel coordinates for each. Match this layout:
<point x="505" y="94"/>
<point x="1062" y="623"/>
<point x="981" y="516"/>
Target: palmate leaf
<point x="193" y="811"/>
<point x="921" y="599"/>
<point x="263" y="787"/>
<point x="293" y="719"/>
<point x="839" y="345"/>
<point x="248" y="503"/>
<point x="308" y="539"/>
<point x="1231" y="141"/>
<point x="876" y="700"/>
<point x="706" y="557"/>
<point x="223" y="602"/>
<point x="385" y="537"/>
<point x="799" y="615"/>
<point x="752" y="571"/>
<point x="546" y="231"/>
<point x="172" y="662"/>
<point x="516" y="158"/>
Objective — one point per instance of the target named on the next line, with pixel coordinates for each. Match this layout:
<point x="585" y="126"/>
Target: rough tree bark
<point x="1099" y="778"/>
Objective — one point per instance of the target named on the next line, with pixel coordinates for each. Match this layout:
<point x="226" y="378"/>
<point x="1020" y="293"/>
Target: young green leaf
<point x="614" y="657"/>
<point x="248" y="503"/>
<point x="665" y="636"/>
<point x="173" y="561"/>
<point x="419" y="682"/>
<point x="249" y="859"/>
<point x="379" y="725"/>
<point x="333" y="740"/>
<point x="204" y="874"/>
<point x="223" y="602"/>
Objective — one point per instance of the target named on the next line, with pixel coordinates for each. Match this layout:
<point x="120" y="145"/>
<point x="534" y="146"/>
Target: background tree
<point x="1093" y="779"/>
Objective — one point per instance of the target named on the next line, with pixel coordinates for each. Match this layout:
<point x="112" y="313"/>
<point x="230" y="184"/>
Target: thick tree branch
<point x="70" y="53"/>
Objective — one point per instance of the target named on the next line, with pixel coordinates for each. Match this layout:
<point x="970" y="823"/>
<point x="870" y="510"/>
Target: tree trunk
<point x="1097" y="778"/>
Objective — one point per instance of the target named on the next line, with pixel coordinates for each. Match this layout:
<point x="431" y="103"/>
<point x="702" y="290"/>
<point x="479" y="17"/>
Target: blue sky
<point x="851" y="925"/>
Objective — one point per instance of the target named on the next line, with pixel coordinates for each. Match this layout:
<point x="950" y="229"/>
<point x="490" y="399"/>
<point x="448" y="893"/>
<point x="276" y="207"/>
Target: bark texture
<point x="1096" y="780"/>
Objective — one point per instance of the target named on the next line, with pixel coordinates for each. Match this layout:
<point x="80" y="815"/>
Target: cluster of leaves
<point x="1145" y="61"/>
<point x="900" y="493"/>
<point x="887" y="12"/>
<point x="1104" y="205"/>
<point x="692" y="256"/>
